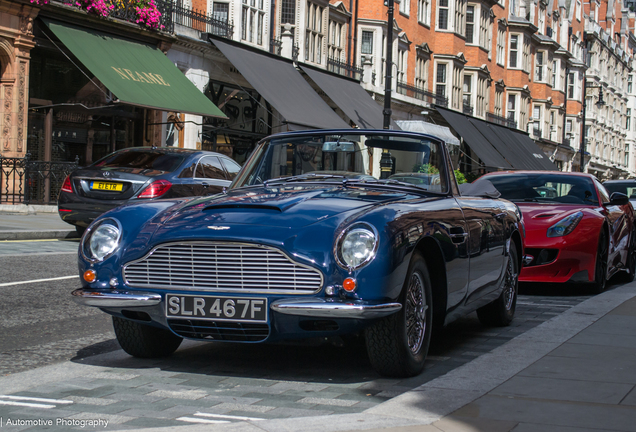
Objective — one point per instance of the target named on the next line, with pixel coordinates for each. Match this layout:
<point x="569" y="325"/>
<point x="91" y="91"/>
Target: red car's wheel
<point x="600" y="270"/>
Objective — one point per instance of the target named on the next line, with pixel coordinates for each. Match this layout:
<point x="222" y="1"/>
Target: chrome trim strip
<point x="282" y="274"/>
<point x="114" y="298"/>
<point x="334" y="308"/>
<point x="112" y="180"/>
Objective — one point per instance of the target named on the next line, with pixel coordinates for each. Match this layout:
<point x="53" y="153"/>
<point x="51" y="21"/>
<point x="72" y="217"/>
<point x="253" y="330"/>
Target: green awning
<point x="136" y="73"/>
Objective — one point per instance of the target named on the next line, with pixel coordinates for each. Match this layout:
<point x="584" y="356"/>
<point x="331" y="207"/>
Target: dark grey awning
<point x="517" y="150"/>
<point x="283" y="86"/>
<point x="527" y="142"/>
<point x="501" y="138"/>
<point x="351" y="98"/>
<point x="475" y="140"/>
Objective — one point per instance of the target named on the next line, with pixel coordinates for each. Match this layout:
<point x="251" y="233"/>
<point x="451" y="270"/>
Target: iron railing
<point x="23" y="181"/>
<point x="467" y="108"/>
<point x="420" y="93"/>
<point x="503" y="121"/>
<point x="201" y="21"/>
<point x="275" y="46"/>
<point x="342" y="68"/>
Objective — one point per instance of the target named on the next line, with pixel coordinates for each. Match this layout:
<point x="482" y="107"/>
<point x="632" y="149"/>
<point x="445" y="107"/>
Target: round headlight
<point x="103" y="240"/>
<point x="357" y="247"/>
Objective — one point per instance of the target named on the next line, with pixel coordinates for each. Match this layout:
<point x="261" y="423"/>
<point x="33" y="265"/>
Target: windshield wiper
<point x="302" y="177"/>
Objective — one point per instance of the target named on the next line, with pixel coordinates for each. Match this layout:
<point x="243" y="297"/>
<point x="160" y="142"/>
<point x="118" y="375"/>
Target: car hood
<point x="289" y="207"/>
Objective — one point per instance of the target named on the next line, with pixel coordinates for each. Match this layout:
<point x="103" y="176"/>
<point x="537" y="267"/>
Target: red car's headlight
<point x="565" y="226"/>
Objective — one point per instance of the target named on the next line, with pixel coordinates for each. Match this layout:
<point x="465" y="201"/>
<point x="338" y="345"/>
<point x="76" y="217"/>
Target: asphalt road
<point x="41" y="325"/>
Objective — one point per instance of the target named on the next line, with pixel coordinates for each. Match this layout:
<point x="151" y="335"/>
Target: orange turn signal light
<point x="349" y="284"/>
<point x="90" y="276"/>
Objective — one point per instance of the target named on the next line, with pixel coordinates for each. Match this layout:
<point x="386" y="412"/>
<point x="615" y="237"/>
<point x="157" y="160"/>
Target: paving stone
<point x="327" y="401"/>
<point x="223" y="408"/>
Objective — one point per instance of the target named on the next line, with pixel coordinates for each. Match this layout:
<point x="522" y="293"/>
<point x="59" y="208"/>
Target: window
<point x="498" y="102"/>
<point x="630" y="78"/>
<point x="402" y="63"/>
<point x="210" y="167"/>
<point x="485" y="38"/>
<point x="481" y="106"/>
<point x="470" y="24"/>
<point x="252" y="19"/>
<point x="539" y="72"/>
<point x="424" y="11"/>
<point x="525" y="54"/>
<point x="334" y="43"/>
<point x="442" y="15"/>
<point x="536" y="117"/>
<point x="514" y="47"/>
<point x="404" y="6"/>
<point x="571" y="85"/>
<point x="579" y="11"/>
<point x="512" y="108"/>
<point x="367" y="42"/>
<point x="501" y="50"/>
<point x="467" y="96"/>
<point x="220" y="11"/>
<point x="460" y="16"/>
<point x="313" y="34"/>
<point x="440" y="80"/>
<point x="628" y="117"/>
<point x="421" y="73"/>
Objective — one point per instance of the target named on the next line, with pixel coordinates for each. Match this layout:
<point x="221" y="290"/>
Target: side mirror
<point x="618" y="198"/>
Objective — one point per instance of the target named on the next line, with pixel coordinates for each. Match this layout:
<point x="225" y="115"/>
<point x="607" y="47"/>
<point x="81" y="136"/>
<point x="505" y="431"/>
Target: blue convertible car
<point x="322" y="233"/>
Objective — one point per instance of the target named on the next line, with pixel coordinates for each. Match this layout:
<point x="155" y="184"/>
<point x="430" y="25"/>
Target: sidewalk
<point x="573" y="373"/>
<point x="21" y="222"/>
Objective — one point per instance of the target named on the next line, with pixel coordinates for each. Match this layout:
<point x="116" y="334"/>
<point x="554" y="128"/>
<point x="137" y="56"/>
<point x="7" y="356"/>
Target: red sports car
<point x="575" y="230"/>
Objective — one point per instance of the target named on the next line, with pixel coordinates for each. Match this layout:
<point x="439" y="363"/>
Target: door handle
<point x="458" y="235"/>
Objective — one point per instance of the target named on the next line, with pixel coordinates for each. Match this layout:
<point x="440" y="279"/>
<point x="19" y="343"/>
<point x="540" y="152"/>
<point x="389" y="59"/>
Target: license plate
<point x="216" y="308"/>
<point x="107" y="186"/>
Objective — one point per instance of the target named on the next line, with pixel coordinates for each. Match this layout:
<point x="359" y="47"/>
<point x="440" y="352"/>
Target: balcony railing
<point x="503" y="121"/>
<point x="467" y="108"/>
<point x="342" y="68"/>
<point x="275" y="46"/>
<point x="201" y="21"/>
<point x="419" y="93"/>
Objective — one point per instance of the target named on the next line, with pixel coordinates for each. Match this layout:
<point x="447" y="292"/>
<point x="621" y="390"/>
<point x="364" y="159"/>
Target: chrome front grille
<point x="219" y="266"/>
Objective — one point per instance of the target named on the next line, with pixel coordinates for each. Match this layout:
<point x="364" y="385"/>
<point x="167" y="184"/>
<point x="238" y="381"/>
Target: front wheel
<point x="500" y="312"/>
<point x="144" y="341"/>
<point x="397" y="345"/>
<point x="600" y="269"/>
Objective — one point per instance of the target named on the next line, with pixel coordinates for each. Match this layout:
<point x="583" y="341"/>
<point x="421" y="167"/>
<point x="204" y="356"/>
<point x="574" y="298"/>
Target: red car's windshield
<point x="547" y="188"/>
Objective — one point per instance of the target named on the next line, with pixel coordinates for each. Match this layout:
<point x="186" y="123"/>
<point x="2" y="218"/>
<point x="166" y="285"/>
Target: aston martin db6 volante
<point x="322" y="233"/>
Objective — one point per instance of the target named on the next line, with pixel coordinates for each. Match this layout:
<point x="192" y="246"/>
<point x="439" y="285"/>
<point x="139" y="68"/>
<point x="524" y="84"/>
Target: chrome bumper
<point x="334" y="308"/>
<point x="115" y="298"/>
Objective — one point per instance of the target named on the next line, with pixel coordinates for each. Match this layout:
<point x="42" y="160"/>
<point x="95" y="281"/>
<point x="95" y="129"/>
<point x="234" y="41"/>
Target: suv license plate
<point x="216" y="308"/>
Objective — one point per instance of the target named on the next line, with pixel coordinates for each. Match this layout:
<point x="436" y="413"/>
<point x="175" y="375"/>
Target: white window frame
<point x="515" y="110"/>
<point x="517" y="58"/>
<point x="470" y="25"/>
<point x="501" y="47"/>
<point x="470" y="91"/>
<point x="253" y="22"/>
<point x="443" y="85"/>
<point x="421" y="72"/>
<point x="424" y="12"/>
<point x="449" y="13"/>
<point x="540" y="68"/>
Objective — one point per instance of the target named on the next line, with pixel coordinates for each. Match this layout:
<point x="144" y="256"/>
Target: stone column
<point x="367" y="69"/>
<point x="287" y="42"/>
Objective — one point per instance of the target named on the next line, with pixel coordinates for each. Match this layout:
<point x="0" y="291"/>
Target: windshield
<point x="628" y="189"/>
<point x="407" y="160"/>
<point x="142" y="159"/>
<point x="545" y="188"/>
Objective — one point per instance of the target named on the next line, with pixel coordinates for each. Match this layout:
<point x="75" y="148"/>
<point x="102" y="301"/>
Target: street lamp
<point x="599" y="103"/>
<point x="386" y="162"/>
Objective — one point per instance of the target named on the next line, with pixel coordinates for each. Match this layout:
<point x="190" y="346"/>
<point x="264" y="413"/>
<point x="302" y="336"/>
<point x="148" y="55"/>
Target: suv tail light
<point x="67" y="186"/>
<point x="155" y="189"/>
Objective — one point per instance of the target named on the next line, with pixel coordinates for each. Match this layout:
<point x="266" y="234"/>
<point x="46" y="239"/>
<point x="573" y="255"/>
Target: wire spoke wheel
<point x="415" y="313"/>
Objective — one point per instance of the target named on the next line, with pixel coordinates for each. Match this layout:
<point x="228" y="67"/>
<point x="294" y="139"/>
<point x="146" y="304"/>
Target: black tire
<point x="630" y="262"/>
<point x="144" y="341"/>
<point x="501" y="312"/>
<point x="600" y="268"/>
<point x="397" y="345"/>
